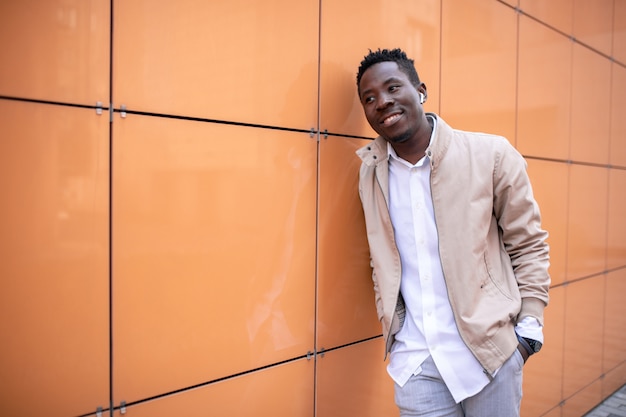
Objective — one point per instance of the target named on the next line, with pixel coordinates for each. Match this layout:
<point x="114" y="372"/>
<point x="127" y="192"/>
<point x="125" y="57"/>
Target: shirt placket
<point x="420" y="229"/>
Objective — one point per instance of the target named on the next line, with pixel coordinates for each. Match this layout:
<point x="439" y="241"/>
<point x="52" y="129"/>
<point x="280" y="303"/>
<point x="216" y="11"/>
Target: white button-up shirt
<point x="429" y="327"/>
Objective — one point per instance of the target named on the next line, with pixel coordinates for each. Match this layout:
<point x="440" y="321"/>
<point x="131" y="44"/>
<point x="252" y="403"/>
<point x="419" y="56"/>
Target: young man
<point x="460" y="262"/>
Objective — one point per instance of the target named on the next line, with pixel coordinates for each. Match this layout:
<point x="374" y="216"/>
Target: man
<point x="460" y="262"/>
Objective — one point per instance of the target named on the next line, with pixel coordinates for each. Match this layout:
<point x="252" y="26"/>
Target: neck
<point x="414" y="149"/>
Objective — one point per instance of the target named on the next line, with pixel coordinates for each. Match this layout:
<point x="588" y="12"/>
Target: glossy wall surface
<point x="181" y="228"/>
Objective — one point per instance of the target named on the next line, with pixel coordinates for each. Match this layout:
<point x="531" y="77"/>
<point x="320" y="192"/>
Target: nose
<point x="384" y="101"/>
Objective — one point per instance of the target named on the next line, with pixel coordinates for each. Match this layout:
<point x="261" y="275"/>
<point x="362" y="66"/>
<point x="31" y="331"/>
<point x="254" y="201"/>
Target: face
<point x="391" y="103"/>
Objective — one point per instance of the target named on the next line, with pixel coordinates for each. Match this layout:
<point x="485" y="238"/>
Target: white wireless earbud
<point x="422" y="98"/>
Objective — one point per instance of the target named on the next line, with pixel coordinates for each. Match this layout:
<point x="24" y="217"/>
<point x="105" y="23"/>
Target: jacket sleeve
<point x="377" y="298"/>
<point x="524" y="240"/>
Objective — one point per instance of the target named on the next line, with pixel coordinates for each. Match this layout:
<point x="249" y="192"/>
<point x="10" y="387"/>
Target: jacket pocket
<point x="492" y="284"/>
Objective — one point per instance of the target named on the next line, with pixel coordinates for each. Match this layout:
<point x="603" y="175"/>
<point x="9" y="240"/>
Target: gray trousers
<point x="426" y="395"/>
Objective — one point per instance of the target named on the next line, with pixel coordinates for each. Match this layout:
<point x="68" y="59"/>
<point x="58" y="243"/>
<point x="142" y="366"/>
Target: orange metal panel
<point x="550" y="186"/>
<point x="478" y="66"/>
<point x="213" y="250"/>
<point x="349" y="30"/>
<point x="543" y="373"/>
<point x="617" y="154"/>
<point x="591" y="113"/>
<point x="236" y="60"/>
<point x="583" y="401"/>
<point x="616" y="230"/>
<point x="54" y="301"/>
<point x="514" y="3"/>
<point x="346" y="310"/>
<point x="353" y="381"/>
<point x="593" y="23"/>
<point x="584" y="318"/>
<point x="555" y="412"/>
<point x="544" y="91"/>
<point x="558" y="14"/>
<point x="614" y="379"/>
<point x="587" y="245"/>
<point x="619" y="31"/>
<point x="281" y="391"/>
<point x="614" y="323"/>
<point x="55" y="50"/>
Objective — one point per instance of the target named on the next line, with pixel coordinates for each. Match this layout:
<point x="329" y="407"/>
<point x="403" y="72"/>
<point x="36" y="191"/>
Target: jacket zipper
<point x="454" y="312"/>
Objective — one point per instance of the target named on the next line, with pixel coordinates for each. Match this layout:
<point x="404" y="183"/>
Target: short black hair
<point x="405" y="64"/>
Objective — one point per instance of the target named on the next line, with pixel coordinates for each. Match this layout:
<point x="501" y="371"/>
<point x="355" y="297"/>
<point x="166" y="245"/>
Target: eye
<point x="368" y="99"/>
<point x="393" y="88"/>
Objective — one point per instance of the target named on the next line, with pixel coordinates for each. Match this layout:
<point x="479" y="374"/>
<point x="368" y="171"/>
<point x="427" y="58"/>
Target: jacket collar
<point x="376" y="152"/>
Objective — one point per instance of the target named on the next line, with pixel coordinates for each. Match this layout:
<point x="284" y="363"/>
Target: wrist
<point x="531" y="346"/>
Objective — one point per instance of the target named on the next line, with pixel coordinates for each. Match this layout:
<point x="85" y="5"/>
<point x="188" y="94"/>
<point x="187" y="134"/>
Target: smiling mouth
<point x="391" y="119"/>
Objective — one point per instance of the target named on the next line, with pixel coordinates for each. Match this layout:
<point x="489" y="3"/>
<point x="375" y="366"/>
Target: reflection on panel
<point x="549" y="181"/>
<point x="54" y="244"/>
<point x="587" y="227"/>
<point x="353" y="381"/>
<point x="584" y="312"/>
<point x="544" y="91"/>
<point x="349" y="31"/>
<point x="543" y="372"/>
<point x="236" y="60"/>
<point x="591" y="97"/>
<point x="346" y="309"/>
<point x="55" y="50"/>
<point x="281" y="391"/>
<point x="478" y="66"/>
<point x="214" y="251"/>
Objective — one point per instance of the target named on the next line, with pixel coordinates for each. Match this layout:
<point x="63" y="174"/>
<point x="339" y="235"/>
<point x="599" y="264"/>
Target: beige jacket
<point x="493" y="251"/>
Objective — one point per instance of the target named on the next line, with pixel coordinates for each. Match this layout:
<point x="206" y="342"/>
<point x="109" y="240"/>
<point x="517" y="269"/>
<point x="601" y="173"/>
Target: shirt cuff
<point x="530" y="328"/>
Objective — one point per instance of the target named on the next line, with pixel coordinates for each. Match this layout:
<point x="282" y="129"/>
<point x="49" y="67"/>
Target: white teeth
<point x="390" y="119"/>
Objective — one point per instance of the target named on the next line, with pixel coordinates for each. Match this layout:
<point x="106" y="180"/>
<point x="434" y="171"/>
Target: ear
<point x="422" y="90"/>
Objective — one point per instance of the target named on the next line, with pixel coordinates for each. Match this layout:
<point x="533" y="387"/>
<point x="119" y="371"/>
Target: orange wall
<point x="194" y="244"/>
